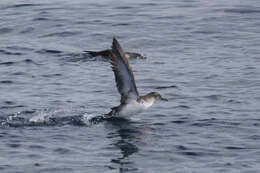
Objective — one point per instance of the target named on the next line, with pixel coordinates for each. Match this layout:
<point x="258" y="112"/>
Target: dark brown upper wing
<point x="123" y="74"/>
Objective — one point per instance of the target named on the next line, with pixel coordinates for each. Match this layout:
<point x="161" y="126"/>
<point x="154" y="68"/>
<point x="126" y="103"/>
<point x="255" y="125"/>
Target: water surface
<point x="202" y="55"/>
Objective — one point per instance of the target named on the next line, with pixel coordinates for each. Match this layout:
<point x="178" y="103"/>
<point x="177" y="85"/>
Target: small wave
<point x="165" y="87"/>
<point x="214" y="97"/>
<point x="40" y="19"/>
<point x="236" y="148"/>
<point x="62" y="150"/>
<point x="123" y="7"/>
<point x="24" y="5"/>
<point x="234" y="101"/>
<point x="48" y="51"/>
<point x="205" y="32"/>
<point x="13" y="145"/>
<point x="10" y="53"/>
<point x="6" y="82"/>
<point x="183" y="106"/>
<point x="7" y="63"/>
<point x="242" y="10"/>
<point x="121" y="24"/>
<point x="21" y="5"/>
<point x="62" y="34"/>
<point x="5" y="30"/>
<point x="211" y="76"/>
<point x="27" y="30"/>
<point x="178" y="121"/>
<point x="191" y="153"/>
<point x="27" y="61"/>
<point x="52" y="75"/>
<point x="19" y="73"/>
<point x="158" y="124"/>
<point x="11" y="106"/>
<point x="35" y="146"/>
<point x="9" y="102"/>
<point x="148" y="4"/>
<point x="21" y="48"/>
<point x="181" y="147"/>
<point x="201" y="124"/>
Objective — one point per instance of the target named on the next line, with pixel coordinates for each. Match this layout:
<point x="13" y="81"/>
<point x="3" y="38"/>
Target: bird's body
<point x="132" y="108"/>
<point x="131" y="102"/>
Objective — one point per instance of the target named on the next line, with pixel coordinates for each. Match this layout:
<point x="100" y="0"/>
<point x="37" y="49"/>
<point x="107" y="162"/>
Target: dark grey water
<point x="204" y="56"/>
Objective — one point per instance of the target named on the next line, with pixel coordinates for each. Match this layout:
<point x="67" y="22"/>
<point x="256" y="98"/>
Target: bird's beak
<point x="164" y="99"/>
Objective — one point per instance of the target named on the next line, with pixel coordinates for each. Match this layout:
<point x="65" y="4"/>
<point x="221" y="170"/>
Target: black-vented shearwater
<point x="131" y="101"/>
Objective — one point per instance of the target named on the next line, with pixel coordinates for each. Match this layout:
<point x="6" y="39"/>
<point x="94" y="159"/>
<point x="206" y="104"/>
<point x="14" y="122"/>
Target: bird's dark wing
<point x="123" y="74"/>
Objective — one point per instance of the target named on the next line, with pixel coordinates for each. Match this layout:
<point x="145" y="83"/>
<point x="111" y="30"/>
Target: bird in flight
<point x="131" y="102"/>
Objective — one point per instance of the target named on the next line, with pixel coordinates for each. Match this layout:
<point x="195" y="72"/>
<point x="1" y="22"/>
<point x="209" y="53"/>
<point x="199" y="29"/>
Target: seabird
<point x="131" y="102"/>
<point x="108" y="53"/>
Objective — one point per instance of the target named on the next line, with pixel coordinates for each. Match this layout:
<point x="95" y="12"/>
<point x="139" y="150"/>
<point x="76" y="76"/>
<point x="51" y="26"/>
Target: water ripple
<point x="5" y="52"/>
<point x="204" y="56"/>
<point x="5" y="30"/>
<point x="6" y="82"/>
<point x="23" y="5"/>
<point x="7" y="63"/>
<point x="26" y="61"/>
<point x="166" y="87"/>
<point x="249" y="10"/>
<point x="61" y="34"/>
<point x="49" y="51"/>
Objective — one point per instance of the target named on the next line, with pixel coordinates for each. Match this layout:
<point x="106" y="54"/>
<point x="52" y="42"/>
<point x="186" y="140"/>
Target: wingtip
<point x="115" y="42"/>
<point x="116" y="46"/>
<point x="114" y="39"/>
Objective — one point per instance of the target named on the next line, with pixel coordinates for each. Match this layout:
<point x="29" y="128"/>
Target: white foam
<point x="11" y="117"/>
<point x="41" y="117"/>
<point x="87" y="118"/>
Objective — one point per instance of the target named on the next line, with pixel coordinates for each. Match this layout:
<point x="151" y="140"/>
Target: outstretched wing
<point x="123" y="74"/>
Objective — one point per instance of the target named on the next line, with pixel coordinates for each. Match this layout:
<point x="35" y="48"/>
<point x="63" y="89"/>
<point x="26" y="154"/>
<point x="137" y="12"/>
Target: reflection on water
<point x="124" y="137"/>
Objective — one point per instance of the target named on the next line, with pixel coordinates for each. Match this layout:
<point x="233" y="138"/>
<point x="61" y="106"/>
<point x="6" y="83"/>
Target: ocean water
<point x="204" y="56"/>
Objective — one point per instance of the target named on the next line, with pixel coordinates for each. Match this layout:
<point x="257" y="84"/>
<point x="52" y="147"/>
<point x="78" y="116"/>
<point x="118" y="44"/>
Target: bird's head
<point x="157" y="96"/>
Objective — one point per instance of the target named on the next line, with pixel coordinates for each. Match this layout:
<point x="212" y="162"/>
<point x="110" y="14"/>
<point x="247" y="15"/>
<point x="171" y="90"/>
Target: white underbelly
<point x="131" y="109"/>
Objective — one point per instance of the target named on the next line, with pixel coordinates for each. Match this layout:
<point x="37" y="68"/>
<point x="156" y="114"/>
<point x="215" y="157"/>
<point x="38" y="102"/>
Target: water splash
<point x="40" y="118"/>
<point x="48" y="117"/>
